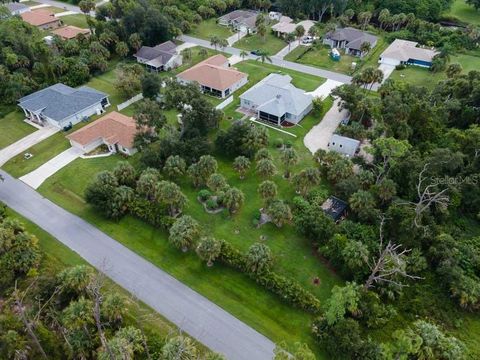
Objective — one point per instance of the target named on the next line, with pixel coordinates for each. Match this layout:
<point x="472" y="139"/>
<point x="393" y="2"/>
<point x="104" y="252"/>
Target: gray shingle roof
<point x="14" y="6"/>
<point x="276" y="95"/>
<point x="354" y="37"/>
<point x="59" y="101"/>
<point x="160" y="53"/>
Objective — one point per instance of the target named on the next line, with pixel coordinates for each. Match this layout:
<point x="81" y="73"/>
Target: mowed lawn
<point x="78" y="20"/>
<point x="271" y="43"/>
<point x="231" y="290"/>
<point x="424" y="77"/>
<point x="52" y="9"/>
<point x="209" y="28"/>
<point x="464" y="12"/>
<point x="13" y="128"/>
<point x="318" y="55"/>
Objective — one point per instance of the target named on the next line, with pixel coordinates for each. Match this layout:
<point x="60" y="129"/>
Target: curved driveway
<point x="187" y="309"/>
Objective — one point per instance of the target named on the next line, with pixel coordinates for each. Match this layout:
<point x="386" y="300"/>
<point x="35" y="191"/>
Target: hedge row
<point x="289" y="290"/>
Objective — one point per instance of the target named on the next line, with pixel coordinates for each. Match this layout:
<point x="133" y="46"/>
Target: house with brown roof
<point x="42" y="19"/>
<point x="115" y="130"/>
<point x="214" y="76"/>
<point x="70" y="32"/>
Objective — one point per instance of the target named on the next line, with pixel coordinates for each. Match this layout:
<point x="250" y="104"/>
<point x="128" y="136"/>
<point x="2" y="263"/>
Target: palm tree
<point x="299" y="32"/>
<point x="289" y="159"/>
<point x="289" y="38"/>
<point x="262" y="31"/>
<point x="215" y="41"/>
<point x="383" y="17"/>
<point x="263" y="56"/>
<point x="223" y="43"/>
<point x="187" y="54"/>
<point x="241" y="164"/>
<point x="266" y="168"/>
<point x="259" y="258"/>
<point x="233" y="200"/>
<point x="268" y="191"/>
<point x="365" y="48"/>
<point x="184" y="232"/>
<point x="279" y="212"/>
<point x="243" y="54"/>
<point x="203" y="52"/>
<point x="209" y="249"/>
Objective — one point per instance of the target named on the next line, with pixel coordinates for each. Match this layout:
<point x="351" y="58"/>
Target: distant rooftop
<point x="70" y="32"/>
<point x="404" y="50"/>
<point x="158" y="55"/>
<point x="39" y="17"/>
<point x="354" y="37"/>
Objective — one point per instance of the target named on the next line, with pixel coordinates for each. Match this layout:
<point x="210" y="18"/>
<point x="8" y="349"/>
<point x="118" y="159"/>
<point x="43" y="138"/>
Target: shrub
<point x="204" y="194"/>
<point x="288" y="144"/>
<point x="401" y="67"/>
<point x="278" y="143"/>
<point x="211" y="204"/>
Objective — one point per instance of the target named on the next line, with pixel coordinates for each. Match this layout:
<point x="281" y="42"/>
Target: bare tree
<point x="94" y="289"/>
<point x="426" y="197"/>
<point x="20" y="308"/>
<point x="390" y="263"/>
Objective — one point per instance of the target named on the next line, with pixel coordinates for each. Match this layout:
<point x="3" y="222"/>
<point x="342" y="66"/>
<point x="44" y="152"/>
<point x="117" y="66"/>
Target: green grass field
<point x="13" y="128"/>
<point x="78" y="20"/>
<point x="424" y="77"/>
<point x="271" y="44"/>
<point x="318" y="56"/>
<point x="53" y="9"/>
<point x="231" y="290"/>
<point x="208" y="28"/>
<point x="464" y="12"/>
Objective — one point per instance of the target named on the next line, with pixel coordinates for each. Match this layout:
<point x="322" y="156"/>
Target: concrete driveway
<point x="325" y="89"/>
<point x="387" y="70"/>
<point x="235" y="37"/>
<point x="38" y="176"/>
<point x="25" y="143"/>
<point x="287" y="49"/>
<point x="190" y="311"/>
<point x="319" y="136"/>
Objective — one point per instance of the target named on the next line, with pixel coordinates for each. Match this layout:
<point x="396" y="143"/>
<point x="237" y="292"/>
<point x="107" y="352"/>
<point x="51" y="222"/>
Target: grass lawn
<point x="424" y="77"/>
<point x="271" y="44"/>
<point x="208" y="28"/>
<point x="464" y="12"/>
<point x="318" y="55"/>
<point x="57" y="256"/>
<point x="78" y="20"/>
<point x="230" y="289"/>
<point x="13" y="128"/>
<point x="52" y="9"/>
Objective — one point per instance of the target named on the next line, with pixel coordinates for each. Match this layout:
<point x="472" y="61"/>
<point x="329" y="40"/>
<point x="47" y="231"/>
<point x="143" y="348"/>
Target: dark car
<point x="255" y="52"/>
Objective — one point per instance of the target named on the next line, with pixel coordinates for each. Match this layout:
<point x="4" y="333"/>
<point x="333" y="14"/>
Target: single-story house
<point x="60" y="105"/>
<point x="70" y="32"/>
<point x="240" y="20"/>
<point x="159" y="58"/>
<point x="335" y="207"/>
<point x="276" y="100"/>
<point x="214" y="76"/>
<point x="16" y="8"/>
<point x="115" y="130"/>
<point x="283" y="28"/>
<point x="42" y="19"/>
<point x="408" y="53"/>
<point x="350" y="39"/>
<point x="343" y="145"/>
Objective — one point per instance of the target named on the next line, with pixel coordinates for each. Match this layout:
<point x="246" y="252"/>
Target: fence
<point x="129" y="102"/>
<point x="224" y="103"/>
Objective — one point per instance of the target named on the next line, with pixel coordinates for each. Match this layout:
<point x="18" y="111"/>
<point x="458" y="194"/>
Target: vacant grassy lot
<point x="271" y="44"/>
<point x="318" y="55"/>
<point x="78" y="20"/>
<point x="464" y="12"/>
<point x="13" y="128"/>
<point x="208" y="28"/>
<point x="231" y="290"/>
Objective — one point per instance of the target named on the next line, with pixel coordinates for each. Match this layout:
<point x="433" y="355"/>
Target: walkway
<point x="287" y="49"/>
<point x="25" y="143"/>
<point x="38" y="176"/>
<point x="187" y="309"/>
<point x="319" y="136"/>
<point x="345" y="79"/>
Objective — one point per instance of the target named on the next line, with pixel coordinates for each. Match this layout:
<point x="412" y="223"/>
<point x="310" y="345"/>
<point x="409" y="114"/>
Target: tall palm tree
<point x="289" y="38"/>
<point x="365" y="48"/>
<point x="215" y="41"/>
<point x="264" y="56"/>
<point x="243" y="54"/>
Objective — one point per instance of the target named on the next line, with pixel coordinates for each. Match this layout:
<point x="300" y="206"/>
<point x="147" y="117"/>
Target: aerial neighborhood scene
<point x="240" y="179"/>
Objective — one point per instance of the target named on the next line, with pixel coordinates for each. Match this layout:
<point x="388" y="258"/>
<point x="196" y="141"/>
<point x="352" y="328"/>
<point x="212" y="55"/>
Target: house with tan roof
<point x="70" y="32"/>
<point x="283" y="28"/>
<point x="404" y="52"/>
<point x="115" y="130"/>
<point x="214" y="76"/>
<point x="42" y="19"/>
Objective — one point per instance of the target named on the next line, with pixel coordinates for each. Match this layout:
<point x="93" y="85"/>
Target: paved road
<point x="25" y="143"/>
<point x="38" y="176"/>
<point x="275" y="61"/>
<point x="190" y="311"/>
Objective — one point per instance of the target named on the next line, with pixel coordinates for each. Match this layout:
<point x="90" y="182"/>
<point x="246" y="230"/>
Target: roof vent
<point x="278" y="96"/>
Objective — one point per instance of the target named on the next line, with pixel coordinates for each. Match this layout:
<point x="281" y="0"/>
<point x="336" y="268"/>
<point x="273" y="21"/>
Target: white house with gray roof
<point x="162" y="57"/>
<point x="60" y="105"/>
<point x="240" y="20"/>
<point x="276" y="100"/>
<point x="16" y="8"/>
<point x="351" y="40"/>
<point x="343" y="145"/>
<point x="404" y="52"/>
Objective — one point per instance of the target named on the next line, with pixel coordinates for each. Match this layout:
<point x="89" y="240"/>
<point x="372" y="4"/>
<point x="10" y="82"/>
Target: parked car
<point x="68" y="127"/>
<point x="255" y="52"/>
<point x="307" y="40"/>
